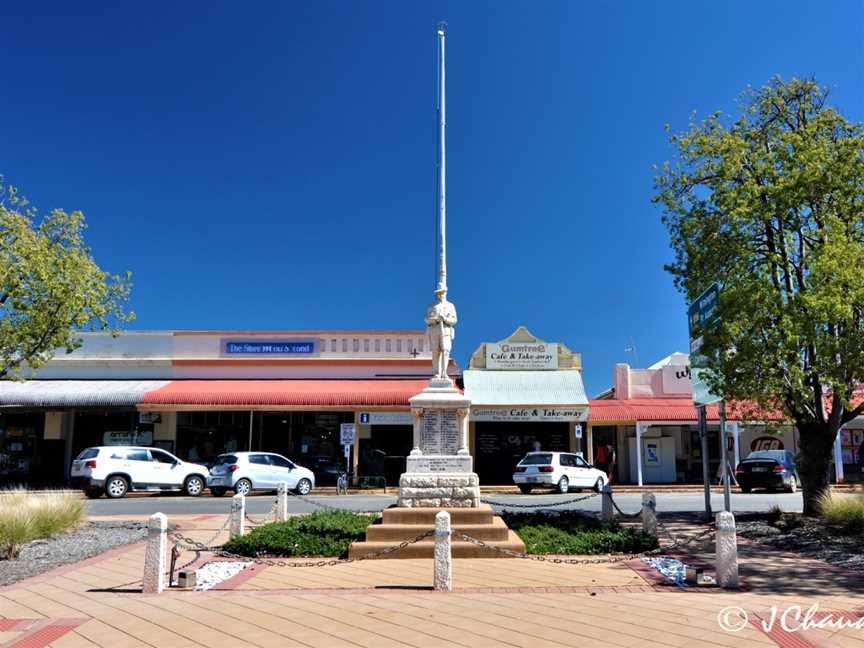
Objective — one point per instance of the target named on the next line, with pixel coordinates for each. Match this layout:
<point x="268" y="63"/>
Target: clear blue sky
<point x="271" y="164"/>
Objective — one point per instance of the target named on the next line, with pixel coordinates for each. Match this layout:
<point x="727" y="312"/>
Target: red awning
<point x="343" y="393"/>
<point x="647" y="409"/>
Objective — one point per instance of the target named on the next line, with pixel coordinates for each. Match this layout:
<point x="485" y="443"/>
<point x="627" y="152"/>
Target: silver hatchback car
<point x="243" y="472"/>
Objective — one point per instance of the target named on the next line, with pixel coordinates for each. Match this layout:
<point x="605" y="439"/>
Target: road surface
<point x="259" y="504"/>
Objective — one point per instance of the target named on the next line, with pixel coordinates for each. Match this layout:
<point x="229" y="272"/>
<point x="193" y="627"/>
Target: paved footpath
<point x="383" y="603"/>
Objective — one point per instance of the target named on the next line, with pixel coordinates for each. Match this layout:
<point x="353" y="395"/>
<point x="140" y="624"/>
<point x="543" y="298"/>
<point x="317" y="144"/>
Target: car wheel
<point x="93" y="493"/>
<point x="217" y="492"/>
<point x="116" y="487"/>
<point x="304" y="487"/>
<point x="793" y="485"/>
<point x="243" y="487"/>
<point x="525" y="490"/>
<point x="746" y="489"/>
<point x="194" y="486"/>
<point x="563" y="485"/>
<point x="598" y="487"/>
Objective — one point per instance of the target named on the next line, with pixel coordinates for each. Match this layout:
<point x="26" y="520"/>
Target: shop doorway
<point x="605" y="437"/>
<point x="383" y="453"/>
<point x="498" y="447"/>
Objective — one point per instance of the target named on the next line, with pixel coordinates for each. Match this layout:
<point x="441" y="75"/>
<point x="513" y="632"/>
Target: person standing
<point x="611" y="461"/>
<point x="600" y="461"/>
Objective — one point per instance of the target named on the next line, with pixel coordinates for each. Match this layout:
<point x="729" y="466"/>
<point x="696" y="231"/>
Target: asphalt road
<point x="259" y="504"/>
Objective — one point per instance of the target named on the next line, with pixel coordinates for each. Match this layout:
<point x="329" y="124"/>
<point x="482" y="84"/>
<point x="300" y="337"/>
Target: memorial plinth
<point x="440" y="470"/>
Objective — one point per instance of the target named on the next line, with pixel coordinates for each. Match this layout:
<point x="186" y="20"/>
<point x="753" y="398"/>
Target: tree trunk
<point x="816" y="443"/>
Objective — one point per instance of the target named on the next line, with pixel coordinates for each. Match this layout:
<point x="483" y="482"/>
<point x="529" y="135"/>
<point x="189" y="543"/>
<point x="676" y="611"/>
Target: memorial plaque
<point x="440" y="464"/>
<point x="439" y="433"/>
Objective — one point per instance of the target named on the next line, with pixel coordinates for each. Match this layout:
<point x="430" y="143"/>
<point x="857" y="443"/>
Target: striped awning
<point x="76" y="393"/>
<point x="543" y="388"/>
<point x="288" y="393"/>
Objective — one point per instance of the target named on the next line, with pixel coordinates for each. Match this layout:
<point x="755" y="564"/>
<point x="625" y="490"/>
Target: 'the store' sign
<point x="521" y="355"/>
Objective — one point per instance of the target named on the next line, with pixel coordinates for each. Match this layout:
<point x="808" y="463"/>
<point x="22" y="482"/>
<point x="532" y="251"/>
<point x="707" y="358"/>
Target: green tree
<point x="771" y="205"/>
<point x="50" y="286"/>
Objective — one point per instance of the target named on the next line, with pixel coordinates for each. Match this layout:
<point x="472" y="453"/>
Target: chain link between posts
<point x="507" y="505"/>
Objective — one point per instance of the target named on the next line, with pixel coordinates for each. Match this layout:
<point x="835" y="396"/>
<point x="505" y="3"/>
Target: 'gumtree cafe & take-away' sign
<point x="521" y="355"/>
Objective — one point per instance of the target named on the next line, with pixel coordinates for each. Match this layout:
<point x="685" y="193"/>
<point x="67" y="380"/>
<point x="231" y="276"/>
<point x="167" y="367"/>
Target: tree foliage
<point x="771" y="206"/>
<point x="50" y="285"/>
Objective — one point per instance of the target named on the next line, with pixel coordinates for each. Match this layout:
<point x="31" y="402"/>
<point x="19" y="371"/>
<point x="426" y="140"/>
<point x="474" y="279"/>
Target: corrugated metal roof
<point x="673" y="410"/>
<point x="287" y="392"/>
<point x="524" y="387"/>
<point x="76" y="393"/>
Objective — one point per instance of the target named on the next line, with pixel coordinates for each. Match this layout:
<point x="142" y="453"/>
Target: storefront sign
<point x="766" y="443"/>
<point x="348" y="433"/>
<point x="529" y="414"/>
<point x="385" y="418"/>
<point x="284" y="347"/>
<point x="677" y="379"/>
<point x="149" y="417"/>
<point x="143" y="438"/>
<point x="521" y="355"/>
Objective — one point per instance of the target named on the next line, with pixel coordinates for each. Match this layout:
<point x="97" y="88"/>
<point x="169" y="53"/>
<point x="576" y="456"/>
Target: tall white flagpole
<point x="442" y="167"/>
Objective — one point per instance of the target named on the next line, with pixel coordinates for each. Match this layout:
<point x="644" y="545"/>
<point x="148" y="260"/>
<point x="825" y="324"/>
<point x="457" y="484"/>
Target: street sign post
<point x="348" y="433"/>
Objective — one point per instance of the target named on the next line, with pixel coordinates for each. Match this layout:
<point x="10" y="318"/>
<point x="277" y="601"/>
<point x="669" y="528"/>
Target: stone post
<point x="607" y="512"/>
<point x="727" y="551"/>
<point x="282" y="502"/>
<point x="238" y="515"/>
<point x="649" y="514"/>
<point x="443" y="555"/>
<point x="155" y="554"/>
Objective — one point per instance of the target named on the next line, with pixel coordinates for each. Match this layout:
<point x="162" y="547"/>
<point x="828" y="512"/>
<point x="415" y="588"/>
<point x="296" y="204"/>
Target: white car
<point x="243" y="472"/>
<point x="116" y="470"/>
<point x="559" y="470"/>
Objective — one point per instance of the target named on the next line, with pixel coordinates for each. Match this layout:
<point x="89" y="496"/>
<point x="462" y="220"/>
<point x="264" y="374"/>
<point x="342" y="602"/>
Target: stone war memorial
<point x="439" y="472"/>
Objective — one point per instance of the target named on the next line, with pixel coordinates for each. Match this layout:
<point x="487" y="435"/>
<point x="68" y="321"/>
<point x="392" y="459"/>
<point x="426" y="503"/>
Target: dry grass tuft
<point x="26" y="516"/>
<point x="843" y="511"/>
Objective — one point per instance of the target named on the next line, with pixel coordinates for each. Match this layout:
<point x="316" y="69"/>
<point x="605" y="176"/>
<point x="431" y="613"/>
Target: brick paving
<point x="498" y="602"/>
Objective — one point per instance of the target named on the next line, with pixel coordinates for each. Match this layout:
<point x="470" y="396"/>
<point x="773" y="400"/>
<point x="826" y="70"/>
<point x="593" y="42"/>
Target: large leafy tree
<point x="50" y="286"/>
<point x="770" y="204"/>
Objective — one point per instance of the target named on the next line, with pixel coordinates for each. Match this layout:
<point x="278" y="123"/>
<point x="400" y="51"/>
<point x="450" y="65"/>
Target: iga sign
<point x="521" y="355"/>
<point x="766" y="443"/>
<point x="529" y="413"/>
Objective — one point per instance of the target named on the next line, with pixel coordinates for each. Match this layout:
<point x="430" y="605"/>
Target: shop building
<point x="199" y="394"/>
<point x="526" y="394"/>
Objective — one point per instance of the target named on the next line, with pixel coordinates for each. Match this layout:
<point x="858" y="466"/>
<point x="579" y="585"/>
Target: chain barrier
<point x="677" y="544"/>
<point x="508" y="505"/>
<point x="271" y="516"/>
<point x="622" y="513"/>
<point x="327" y="507"/>
<point x="190" y="544"/>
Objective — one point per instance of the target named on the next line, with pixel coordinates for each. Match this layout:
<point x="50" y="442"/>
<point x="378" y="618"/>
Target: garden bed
<point x="86" y="541"/>
<point x="575" y="533"/>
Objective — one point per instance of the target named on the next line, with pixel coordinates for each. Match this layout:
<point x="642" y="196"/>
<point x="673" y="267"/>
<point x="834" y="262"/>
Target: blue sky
<point x="272" y="164"/>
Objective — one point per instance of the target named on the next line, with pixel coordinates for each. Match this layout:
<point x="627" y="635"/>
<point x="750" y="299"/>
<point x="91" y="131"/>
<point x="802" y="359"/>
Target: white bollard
<point x="282" y="502"/>
<point x="155" y="554"/>
<point x="238" y="515"/>
<point x="607" y="513"/>
<point x="649" y="514"/>
<point x="443" y="554"/>
<point x="727" y="551"/>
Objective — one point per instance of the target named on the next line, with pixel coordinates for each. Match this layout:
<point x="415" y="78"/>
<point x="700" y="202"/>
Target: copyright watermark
<point x="794" y="618"/>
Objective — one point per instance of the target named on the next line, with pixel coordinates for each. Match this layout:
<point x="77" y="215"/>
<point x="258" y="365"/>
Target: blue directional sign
<point x="703" y="315"/>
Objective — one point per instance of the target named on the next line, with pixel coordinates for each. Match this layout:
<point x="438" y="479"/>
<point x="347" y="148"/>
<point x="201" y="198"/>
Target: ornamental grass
<point x="27" y="516"/>
<point x="844" y="512"/>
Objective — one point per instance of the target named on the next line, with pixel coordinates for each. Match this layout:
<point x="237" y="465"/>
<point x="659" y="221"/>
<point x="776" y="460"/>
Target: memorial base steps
<point x="400" y="524"/>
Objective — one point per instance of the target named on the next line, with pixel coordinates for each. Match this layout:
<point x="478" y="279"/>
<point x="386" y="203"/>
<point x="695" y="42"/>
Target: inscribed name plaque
<point x="439" y="433"/>
<point x="440" y="464"/>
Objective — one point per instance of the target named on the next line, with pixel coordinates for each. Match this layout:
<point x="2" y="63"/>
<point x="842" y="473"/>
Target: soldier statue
<point x="440" y="320"/>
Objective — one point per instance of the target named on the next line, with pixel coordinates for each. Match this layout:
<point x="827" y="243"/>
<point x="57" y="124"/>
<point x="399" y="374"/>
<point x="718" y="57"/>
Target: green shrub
<point x="25" y="517"/>
<point x="324" y="533"/>
<point x="843" y="512"/>
<point x="571" y="532"/>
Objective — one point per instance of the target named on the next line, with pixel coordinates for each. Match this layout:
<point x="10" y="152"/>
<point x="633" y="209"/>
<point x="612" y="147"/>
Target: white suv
<point x="115" y="470"/>
<point x="243" y="472"/>
<point x="559" y="470"/>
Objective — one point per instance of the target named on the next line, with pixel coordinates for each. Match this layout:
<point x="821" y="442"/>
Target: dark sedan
<point x="769" y="469"/>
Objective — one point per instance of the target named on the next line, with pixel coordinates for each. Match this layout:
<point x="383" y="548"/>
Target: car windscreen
<point x="536" y="459"/>
<point x="224" y="460"/>
<point x="773" y="455"/>
<point x="88" y="453"/>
